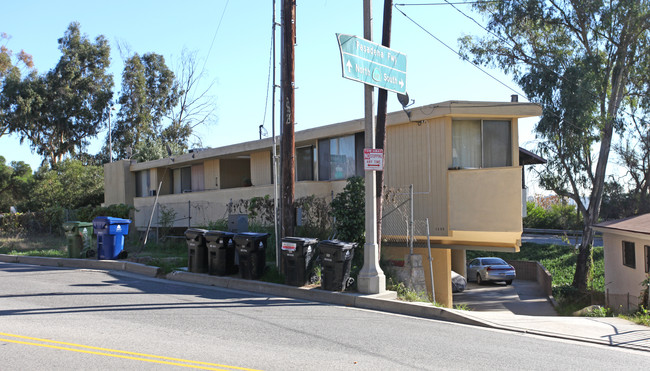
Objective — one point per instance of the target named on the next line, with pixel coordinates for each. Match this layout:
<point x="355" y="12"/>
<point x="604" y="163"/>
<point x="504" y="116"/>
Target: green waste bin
<point x="79" y="236"/>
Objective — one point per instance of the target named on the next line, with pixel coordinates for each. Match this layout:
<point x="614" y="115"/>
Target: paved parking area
<point x="522" y="298"/>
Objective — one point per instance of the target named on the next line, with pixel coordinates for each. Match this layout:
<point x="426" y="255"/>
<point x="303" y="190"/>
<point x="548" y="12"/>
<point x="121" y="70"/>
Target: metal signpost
<point x="372" y="64"/>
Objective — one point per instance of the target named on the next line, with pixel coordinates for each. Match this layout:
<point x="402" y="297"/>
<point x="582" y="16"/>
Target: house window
<point x="647" y="259"/>
<point x="338" y="157"/>
<point x="142" y="183"/>
<point x="629" y="259"/>
<point x="182" y="179"/>
<point x="481" y="143"/>
<point x="305" y="163"/>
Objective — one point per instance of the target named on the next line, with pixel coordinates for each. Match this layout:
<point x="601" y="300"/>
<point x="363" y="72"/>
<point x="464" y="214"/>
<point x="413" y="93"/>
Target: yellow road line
<point x="136" y="356"/>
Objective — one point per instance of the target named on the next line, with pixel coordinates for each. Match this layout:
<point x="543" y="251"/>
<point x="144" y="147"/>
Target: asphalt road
<point x="56" y="318"/>
<point x="557" y="239"/>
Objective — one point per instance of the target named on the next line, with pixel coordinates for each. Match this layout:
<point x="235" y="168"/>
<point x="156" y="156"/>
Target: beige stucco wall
<point x="261" y="168"/>
<point x="485" y="199"/>
<point x="416" y="153"/>
<point x="441" y="269"/>
<point x="119" y="183"/>
<point x="211" y="178"/>
<point x="622" y="283"/>
<point x="459" y="262"/>
<point x="204" y="207"/>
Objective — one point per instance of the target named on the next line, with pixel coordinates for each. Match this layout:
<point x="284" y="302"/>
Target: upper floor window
<point x="629" y="258"/>
<point x="481" y="143"/>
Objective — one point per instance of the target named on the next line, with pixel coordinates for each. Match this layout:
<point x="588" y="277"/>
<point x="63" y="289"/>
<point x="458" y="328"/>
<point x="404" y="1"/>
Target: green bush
<point x="88" y="213"/>
<point x="558" y="215"/>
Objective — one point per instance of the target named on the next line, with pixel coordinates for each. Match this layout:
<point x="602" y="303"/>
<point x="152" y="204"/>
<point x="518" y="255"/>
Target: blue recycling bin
<point x="110" y="233"/>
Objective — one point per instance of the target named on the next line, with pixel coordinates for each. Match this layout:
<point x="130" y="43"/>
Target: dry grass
<point x="30" y="244"/>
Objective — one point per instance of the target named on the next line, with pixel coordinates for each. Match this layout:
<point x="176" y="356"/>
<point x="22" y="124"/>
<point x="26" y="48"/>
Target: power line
<point x="458" y="54"/>
<point x="215" y="33"/>
<point x="446" y="3"/>
<point x="268" y="79"/>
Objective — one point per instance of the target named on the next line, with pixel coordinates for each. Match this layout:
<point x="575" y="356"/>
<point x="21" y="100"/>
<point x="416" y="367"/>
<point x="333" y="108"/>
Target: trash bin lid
<point x="251" y="235"/>
<point x="213" y="236"/>
<point x="212" y="233"/>
<point x="337" y="244"/>
<point x="69" y="226"/>
<point x="193" y="233"/>
<point x="101" y="222"/>
<point x="303" y="240"/>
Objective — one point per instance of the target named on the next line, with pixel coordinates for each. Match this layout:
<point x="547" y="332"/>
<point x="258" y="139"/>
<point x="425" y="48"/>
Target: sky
<point x="233" y="40"/>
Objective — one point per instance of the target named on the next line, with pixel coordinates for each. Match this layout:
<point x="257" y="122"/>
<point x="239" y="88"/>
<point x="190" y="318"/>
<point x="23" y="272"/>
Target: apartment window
<point x="338" y="157"/>
<point x="647" y="259"/>
<point x="142" y="183"/>
<point x="481" y="143"/>
<point x="629" y="259"/>
<point x="182" y="179"/>
<point x="305" y="163"/>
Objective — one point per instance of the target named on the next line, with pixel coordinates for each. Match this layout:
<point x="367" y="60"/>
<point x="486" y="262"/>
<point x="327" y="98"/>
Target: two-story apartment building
<point x="462" y="158"/>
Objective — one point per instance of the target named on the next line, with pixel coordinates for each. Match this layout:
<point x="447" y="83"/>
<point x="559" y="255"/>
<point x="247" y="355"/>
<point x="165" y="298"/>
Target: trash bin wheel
<point x="122" y="255"/>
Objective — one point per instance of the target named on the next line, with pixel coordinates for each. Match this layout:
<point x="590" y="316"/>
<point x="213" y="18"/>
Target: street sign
<point x="373" y="159"/>
<point x="372" y="64"/>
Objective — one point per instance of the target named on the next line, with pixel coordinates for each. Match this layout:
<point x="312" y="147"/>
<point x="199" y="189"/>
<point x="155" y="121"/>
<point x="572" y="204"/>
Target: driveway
<point x="522" y="297"/>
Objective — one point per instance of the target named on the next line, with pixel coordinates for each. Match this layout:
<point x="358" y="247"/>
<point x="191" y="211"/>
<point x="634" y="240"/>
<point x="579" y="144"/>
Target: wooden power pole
<point x="382" y="101"/>
<point x="288" y="142"/>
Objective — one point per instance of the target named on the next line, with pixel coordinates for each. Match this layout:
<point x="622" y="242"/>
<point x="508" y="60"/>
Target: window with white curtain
<point x="481" y="143"/>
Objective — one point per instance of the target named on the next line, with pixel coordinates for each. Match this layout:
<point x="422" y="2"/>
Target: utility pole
<point x="276" y="186"/>
<point x="287" y="108"/>
<point x="382" y="101"/>
<point x="371" y="279"/>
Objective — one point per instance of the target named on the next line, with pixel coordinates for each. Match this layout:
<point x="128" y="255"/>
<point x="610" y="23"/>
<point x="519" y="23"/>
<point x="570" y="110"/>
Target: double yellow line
<point x="117" y="353"/>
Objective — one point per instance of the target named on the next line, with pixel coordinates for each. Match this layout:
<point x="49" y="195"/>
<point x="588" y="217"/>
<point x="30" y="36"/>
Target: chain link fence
<point x="397" y="223"/>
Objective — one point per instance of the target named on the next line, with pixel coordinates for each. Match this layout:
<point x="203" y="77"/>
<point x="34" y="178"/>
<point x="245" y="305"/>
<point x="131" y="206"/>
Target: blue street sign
<point x="372" y="64"/>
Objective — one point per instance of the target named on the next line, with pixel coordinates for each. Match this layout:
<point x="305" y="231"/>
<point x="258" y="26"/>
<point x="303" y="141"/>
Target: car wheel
<point x="508" y="282"/>
<point x="479" y="280"/>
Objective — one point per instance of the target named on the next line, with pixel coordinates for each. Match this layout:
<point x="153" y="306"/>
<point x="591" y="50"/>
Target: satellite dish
<point x="404" y="99"/>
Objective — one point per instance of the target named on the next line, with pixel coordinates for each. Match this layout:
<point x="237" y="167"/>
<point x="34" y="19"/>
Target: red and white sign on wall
<point x="373" y="159"/>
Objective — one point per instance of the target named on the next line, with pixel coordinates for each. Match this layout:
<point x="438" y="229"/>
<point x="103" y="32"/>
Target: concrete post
<point x="371" y="279"/>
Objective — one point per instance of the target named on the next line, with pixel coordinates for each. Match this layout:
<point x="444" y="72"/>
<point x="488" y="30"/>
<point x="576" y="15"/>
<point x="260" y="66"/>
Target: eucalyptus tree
<point x="149" y="92"/>
<point x="581" y="60"/>
<point x="60" y="111"/>
<point x="11" y="64"/>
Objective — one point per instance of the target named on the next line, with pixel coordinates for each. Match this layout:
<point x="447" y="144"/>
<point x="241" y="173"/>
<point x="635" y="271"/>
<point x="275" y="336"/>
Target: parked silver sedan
<point x="490" y="269"/>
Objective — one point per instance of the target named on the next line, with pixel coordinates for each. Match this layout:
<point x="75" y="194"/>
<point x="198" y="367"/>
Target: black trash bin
<point x="197" y="251"/>
<point x="221" y="253"/>
<point x="251" y="248"/>
<point x="297" y="259"/>
<point x="336" y="260"/>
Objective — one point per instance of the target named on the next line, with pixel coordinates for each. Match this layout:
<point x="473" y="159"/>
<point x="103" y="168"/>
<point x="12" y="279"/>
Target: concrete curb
<point x="118" y="265"/>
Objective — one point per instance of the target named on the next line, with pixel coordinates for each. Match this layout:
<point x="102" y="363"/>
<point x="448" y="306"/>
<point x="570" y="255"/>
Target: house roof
<point x="635" y="224"/>
<point x="528" y="158"/>
<point x="457" y="109"/>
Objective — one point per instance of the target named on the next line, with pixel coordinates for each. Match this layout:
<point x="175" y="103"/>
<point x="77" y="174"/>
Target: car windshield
<point x="494" y="261"/>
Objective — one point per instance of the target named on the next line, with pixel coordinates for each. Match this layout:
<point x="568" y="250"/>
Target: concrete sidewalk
<point x="606" y="331"/>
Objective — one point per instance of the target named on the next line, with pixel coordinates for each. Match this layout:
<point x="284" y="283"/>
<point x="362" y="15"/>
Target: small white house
<point x="627" y="260"/>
